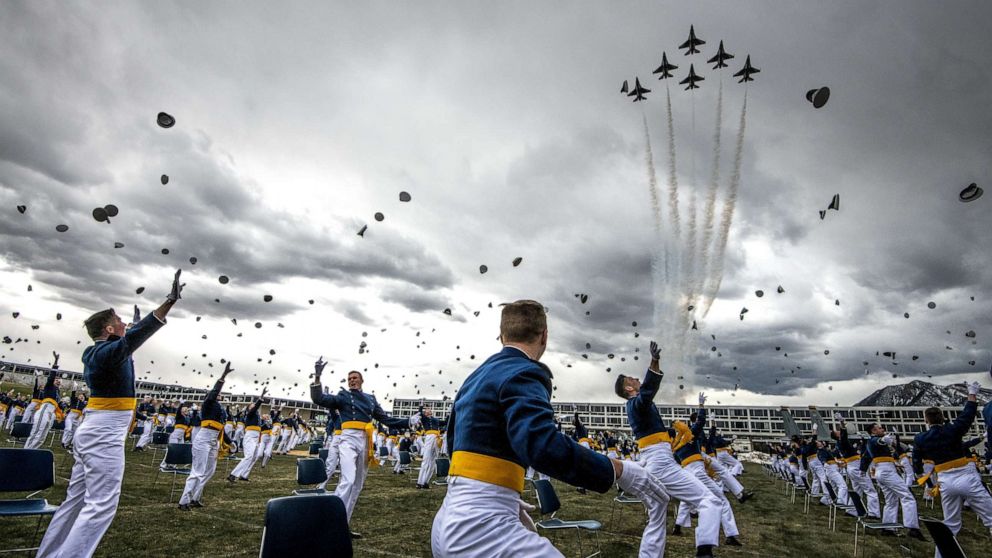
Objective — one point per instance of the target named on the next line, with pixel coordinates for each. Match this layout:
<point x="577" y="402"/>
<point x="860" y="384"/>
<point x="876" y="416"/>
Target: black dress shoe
<point x="232" y="479"/>
<point x="732" y="541"/>
<point x="242" y="479"/>
<point x="196" y="504"/>
<point x="677" y="531"/>
<point x="916" y="534"/>
<point x="184" y="507"/>
<point x="745" y="496"/>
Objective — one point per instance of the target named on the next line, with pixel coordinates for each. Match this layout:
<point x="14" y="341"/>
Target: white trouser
<point x="730" y="462"/>
<point x="727" y="477"/>
<point x="94" y="487"/>
<point x="71" y="419"/>
<point x="250" y="445"/>
<point x="895" y="492"/>
<point x="283" y="441"/>
<point x="396" y="455"/>
<point x="840" y="487"/>
<point x="482" y="520"/>
<point x="963" y="485"/>
<point x="239" y="432"/>
<point x="353" y="453"/>
<point x="391" y="448"/>
<point x="927" y="469"/>
<point x="29" y="412"/>
<point x="333" y="457"/>
<point x="861" y="483"/>
<point x="170" y="420"/>
<point x="727" y="520"/>
<point x="265" y="448"/>
<point x="428" y="451"/>
<point x="204" y="464"/>
<point x="12" y="414"/>
<point x="819" y="479"/>
<point x="612" y="454"/>
<point x="683" y="485"/>
<point x="907" y="472"/>
<point x="43" y="419"/>
<point x="444" y="444"/>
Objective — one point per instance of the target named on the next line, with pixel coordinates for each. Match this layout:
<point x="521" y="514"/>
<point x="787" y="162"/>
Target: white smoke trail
<point x="652" y="179"/>
<point x="728" y="212"/>
<point x="710" y="208"/>
<point x="673" y="179"/>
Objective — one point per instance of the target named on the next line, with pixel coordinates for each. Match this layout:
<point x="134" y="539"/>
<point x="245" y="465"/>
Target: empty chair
<point x="443" y="465"/>
<point x="834" y="506"/>
<point x="178" y="461"/>
<point x="947" y="543"/>
<point x="310" y="471"/>
<point x="312" y="526"/>
<point x="405" y="461"/>
<point x="322" y="455"/>
<point x="23" y="470"/>
<point x="159" y="441"/>
<point x="20" y="432"/>
<point x="862" y="525"/>
<point x="315" y="447"/>
<point x="622" y="500"/>
<point x="548" y="501"/>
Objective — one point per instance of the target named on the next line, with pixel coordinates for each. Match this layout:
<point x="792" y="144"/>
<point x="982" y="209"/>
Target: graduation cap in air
<point x="165" y="251"/>
<point x="21" y="209"/>
<point x="818" y="96"/>
<point x="139" y="290"/>
<point x="404" y="197"/>
<point x="624" y="88"/>
<point x="633" y="324"/>
<point x="970" y="334"/>
<point x="165" y="120"/>
<point x="379" y="216"/>
<point x="165" y="179"/>
<point x="62" y="228"/>
<point x="361" y="232"/>
<point x="516" y="261"/>
<point x="931" y="305"/>
<point x="118" y="245"/>
<point x="969" y="194"/>
<point x="835" y="203"/>
<point x="759" y="293"/>
<point x="694" y="325"/>
<point x="483" y="269"/>
<point x="780" y="289"/>
<point x="223" y="279"/>
<point x="823" y="214"/>
<point x="447" y="311"/>
<point x="267" y="298"/>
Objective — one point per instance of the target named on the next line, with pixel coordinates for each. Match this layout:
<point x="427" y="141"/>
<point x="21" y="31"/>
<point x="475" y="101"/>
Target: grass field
<point x="395" y="519"/>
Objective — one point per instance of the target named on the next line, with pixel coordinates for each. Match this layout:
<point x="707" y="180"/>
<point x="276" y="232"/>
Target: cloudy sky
<point x="504" y="122"/>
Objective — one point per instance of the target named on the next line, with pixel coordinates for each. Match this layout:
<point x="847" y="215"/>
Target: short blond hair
<point x="523" y="321"/>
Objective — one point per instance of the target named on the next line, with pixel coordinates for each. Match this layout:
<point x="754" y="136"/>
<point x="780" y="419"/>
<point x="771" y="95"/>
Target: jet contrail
<point x="710" y="211"/>
<point x="728" y="211"/>
<point x="673" y="180"/>
<point x="652" y="179"/>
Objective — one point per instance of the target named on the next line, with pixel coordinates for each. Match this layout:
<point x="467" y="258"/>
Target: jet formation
<point x="664" y="71"/>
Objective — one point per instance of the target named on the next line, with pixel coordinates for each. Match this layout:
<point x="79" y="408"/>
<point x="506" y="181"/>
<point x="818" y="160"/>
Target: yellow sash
<point x="487" y="468"/>
<point x="652" y="439"/>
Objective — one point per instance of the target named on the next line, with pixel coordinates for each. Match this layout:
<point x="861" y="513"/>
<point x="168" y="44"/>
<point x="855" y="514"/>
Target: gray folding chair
<point x="310" y="471"/>
<point x="22" y="470"/>
<point x="863" y="525"/>
<point x="548" y="501"/>
<point x="178" y="461"/>
<point x="947" y="543"/>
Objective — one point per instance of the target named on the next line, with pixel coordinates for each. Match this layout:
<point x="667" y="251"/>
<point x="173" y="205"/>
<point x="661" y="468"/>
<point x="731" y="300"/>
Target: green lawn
<point x="395" y="519"/>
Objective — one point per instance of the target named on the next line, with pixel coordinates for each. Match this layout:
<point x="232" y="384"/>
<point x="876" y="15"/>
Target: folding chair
<point x="315" y="448"/>
<point x="310" y="471"/>
<point x="55" y="432"/>
<point x="947" y="543"/>
<point x="306" y="526"/>
<point x="159" y="442"/>
<point x="443" y="465"/>
<point x="622" y="499"/>
<point x="863" y="525"/>
<point x="834" y="506"/>
<point x="322" y="455"/>
<point x="405" y="461"/>
<point x="24" y="470"/>
<point x="548" y="501"/>
<point x="20" y="432"/>
<point x="176" y="455"/>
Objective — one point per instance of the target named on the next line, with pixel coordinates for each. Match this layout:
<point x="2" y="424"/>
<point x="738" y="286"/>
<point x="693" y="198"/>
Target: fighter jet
<point x="665" y="69"/>
<point x="746" y="71"/>
<point x="623" y="88"/>
<point x="720" y="58"/>
<point x="692" y="42"/>
<point x="691" y="79"/>
<point x="638" y="92"/>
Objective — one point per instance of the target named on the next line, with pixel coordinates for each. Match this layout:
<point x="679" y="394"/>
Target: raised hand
<point x="318" y="368"/>
<point x="838" y="417"/>
<point x="137" y="315"/>
<point x="264" y="391"/>
<point x="227" y="370"/>
<point x="177" y="288"/>
<point x="702" y="399"/>
<point x="973" y="388"/>
<point x="655" y="351"/>
<point x="56" y="355"/>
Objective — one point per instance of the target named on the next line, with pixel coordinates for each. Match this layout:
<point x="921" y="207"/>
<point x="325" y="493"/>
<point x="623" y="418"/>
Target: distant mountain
<point x="921" y="394"/>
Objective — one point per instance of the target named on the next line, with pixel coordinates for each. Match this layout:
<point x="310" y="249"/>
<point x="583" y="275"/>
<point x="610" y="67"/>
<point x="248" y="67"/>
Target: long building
<point x="753" y="426"/>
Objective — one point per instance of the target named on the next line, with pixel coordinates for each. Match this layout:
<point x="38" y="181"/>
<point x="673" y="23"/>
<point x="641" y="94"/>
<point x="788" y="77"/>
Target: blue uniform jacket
<point x="580" y="429"/>
<point x="428" y="423"/>
<point x="211" y="409"/>
<point x="942" y="442"/>
<point x="642" y="415"/>
<point x="692" y="448"/>
<point x="50" y="391"/>
<point x="355" y="405"/>
<point x="107" y="365"/>
<point x="503" y="410"/>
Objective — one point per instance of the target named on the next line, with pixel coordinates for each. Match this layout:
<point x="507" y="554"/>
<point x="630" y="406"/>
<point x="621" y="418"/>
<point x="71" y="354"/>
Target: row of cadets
<point x="286" y="432"/>
<point x="357" y="409"/>
<point x="501" y="423"/>
<point x="14" y="406"/>
<point x="145" y="413"/>
<point x="47" y="408"/>
<point x="656" y="453"/>
<point x="818" y="466"/>
<point x="850" y="460"/>
<point x="686" y="442"/>
<point x="265" y="439"/>
<point x="333" y="446"/>
<point x="73" y="415"/>
<point x="958" y="478"/>
<point x="206" y="444"/>
<point x="95" y="484"/>
<point x="883" y="461"/>
<point x="252" y="429"/>
<point x="430" y="442"/>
